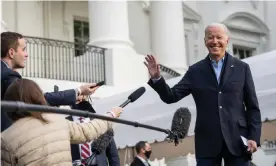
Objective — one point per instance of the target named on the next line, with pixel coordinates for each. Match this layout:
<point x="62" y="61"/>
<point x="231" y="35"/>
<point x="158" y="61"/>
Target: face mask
<point x="147" y="154"/>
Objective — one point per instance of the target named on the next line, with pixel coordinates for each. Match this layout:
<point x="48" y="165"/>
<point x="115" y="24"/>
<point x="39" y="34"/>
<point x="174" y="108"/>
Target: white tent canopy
<point x="149" y="109"/>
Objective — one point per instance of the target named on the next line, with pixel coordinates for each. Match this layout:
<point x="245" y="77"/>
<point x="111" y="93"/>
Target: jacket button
<point x="220" y="107"/>
<point x="219" y="92"/>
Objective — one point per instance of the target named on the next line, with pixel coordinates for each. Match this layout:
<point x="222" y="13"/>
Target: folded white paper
<point x="244" y="140"/>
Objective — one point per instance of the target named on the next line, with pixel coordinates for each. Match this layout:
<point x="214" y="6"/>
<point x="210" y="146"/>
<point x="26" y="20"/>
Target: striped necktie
<point x="85" y="148"/>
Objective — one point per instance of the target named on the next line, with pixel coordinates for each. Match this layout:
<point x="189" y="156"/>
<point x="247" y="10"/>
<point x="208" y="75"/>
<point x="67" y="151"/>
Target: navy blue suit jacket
<point x="224" y="111"/>
<point x="67" y="97"/>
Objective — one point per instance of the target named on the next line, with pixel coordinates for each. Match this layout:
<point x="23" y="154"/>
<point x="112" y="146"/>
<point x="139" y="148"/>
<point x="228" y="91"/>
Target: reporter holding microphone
<point x="37" y="138"/>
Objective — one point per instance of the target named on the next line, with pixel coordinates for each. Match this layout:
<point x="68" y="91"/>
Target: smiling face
<point x="216" y="39"/>
<point x="13" y="50"/>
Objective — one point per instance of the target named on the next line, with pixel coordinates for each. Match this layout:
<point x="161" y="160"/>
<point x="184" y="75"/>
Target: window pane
<point x="234" y="51"/>
<point x="86" y="32"/>
<point x="85" y="40"/>
<point x="77" y="23"/>
<point x="247" y="53"/>
<point x="81" y="36"/>
<point x="77" y="28"/>
<point x="85" y="24"/>
<point x="241" y="53"/>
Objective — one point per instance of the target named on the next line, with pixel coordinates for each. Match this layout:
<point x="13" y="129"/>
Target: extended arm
<point x="67" y="97"/>
<point x="172" y="95"/>
<point x="86" y="132"/>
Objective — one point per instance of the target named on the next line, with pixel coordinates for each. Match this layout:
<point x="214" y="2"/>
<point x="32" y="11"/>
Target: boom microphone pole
<point x="10" y="106"/>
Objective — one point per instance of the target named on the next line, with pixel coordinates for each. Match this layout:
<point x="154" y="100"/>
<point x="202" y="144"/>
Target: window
<point x="81" y="36"/>
<point x="242" y="52"/>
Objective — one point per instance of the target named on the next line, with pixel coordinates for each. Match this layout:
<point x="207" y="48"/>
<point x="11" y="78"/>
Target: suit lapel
<point x="209" y="71"/>
<point x="225" y="73"/>
<point x="139" y="161"/>
<point x="228" y="69"/>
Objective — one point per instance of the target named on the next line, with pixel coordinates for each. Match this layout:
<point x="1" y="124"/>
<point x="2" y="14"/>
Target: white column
<point x="167" y="34"/>
<point x="109" y="28"/>
<point x="108" y="24"/>
<point x="3" y="24"/>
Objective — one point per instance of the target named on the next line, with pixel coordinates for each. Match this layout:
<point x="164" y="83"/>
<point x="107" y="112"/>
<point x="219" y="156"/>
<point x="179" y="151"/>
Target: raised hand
<point x="153" y="67"/>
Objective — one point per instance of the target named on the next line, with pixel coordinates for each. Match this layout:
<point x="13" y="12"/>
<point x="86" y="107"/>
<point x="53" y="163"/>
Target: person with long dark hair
<point x="37" y="138"/>
<point x="13" y="57"/>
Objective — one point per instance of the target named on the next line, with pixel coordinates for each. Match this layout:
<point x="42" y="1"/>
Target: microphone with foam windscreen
<point x="180" y="124"/>
<point x="134" y="96"/>
<point x="99" y="145"/>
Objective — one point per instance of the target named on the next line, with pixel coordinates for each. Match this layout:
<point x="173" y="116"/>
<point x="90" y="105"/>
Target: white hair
<point x="217" y="25"/>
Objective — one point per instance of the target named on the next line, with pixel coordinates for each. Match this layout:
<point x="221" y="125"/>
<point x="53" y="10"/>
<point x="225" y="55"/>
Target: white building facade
<point x="173" y="31"/>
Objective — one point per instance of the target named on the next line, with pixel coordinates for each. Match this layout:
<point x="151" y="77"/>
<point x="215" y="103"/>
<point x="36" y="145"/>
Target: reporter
<point x="13" y="57"/>
<point x="37" y="138"/>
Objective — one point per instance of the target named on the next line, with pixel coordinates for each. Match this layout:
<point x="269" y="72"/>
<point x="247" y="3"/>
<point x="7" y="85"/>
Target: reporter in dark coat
<point x="224" y="93"/>
<point x="109" y="157"/>
<point x="13" y="57"/>
<point x="143" y="150"/>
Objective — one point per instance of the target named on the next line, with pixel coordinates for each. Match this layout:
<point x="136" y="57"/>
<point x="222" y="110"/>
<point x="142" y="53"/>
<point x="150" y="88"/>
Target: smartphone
<point x="98" y="84"/>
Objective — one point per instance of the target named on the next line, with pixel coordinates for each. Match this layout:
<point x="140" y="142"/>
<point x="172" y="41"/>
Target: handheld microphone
<point x="134" y="96"/>
<point x="101" y="143"/>
<point x="180" y="124"/>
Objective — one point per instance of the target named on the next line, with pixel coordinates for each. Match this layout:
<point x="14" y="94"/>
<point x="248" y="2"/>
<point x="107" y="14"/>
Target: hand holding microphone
<point x="84" y="91"/>
<point x="115" y="112"/>
<point x="90" y="88"/>
<point x="101" y="143"/>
